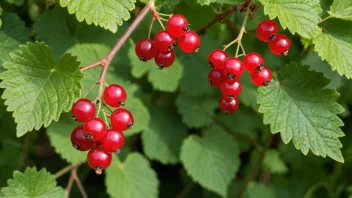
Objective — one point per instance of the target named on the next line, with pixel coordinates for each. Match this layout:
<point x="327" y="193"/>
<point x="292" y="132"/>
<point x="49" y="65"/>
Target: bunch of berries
<point x="94" y="134"/>
<point x="161" y="49"/>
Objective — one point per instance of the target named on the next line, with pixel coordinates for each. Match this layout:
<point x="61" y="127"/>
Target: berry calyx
<point x="189" y="42"/>
<point x="115" y="95"/>
<point x="233" y="68"/>
<point x="113" y="141"/>
<point x="253" y="62"/>
<point x="177" y="25"/>
<point x="98" y="159"/>
<point x="280" y="45"/>
<point x="82" y="110"/>
<point x="216" y="77"/>
<point x="164" y="41"/>
<point x="121" y="119"/>
<point x="267" y="30"/>
<point x="164" y="59"/>
<point x="94" y="129"/>
<point x="262" y="77"/>
<point x="227" y="105"/>
<point x="79" y="140"/>
<point x="145" y="49"/>
<point x="231" y="88"/>
<point x="217" y="58"/>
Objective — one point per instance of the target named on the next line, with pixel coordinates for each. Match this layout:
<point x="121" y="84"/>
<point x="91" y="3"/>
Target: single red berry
<point x="98" y="159"/>
<point x="145" y="49"/>
<point x="113" y="141"/>
<point x="82" y="110"/>
<point x="177" y="25"/>
<point x="215" y="77"/>
<point x="228" y="105"/>
<point x="189" y="42"/>
<point x="164" y="42"/>
<point x="267" y="30"/>
<point x="231" y="88"/>
<point x="262" y="77"/>
<point x="233" y="67"/>
<point x="164" y="59"/>
<point x="94" y="129"/>
<point x="115" y="95"/>
<point x="280" y="45"/>
<point x="253" y="62"/>
<point x="79" y="140"/>
<point x="217" y="58"/>
<point x="121" y="119"/>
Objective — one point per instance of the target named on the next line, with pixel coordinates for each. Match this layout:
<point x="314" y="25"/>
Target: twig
<point x="69" y="187"/>
<point x="185" y="190"/>
<point x="66" y="170"/>
<point x="78" y="182"/>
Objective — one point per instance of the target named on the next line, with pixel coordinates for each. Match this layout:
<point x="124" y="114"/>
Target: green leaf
<point x="32" y="183"/>
<point x="207" y="2"/>
<point x="341" y="9"/>
<point x="211" y="160"/>
<point x="134" y="178"/>
<point x="335" y="46"/>
<point x="255" y="190"/>
<point x="301" y="16"/>
<point x="162" y="140"/>
<point x="304" y="111"/>
<point x="106" y="14"/>
<point x="273" y="162"/>
<point x="16" y="2"/>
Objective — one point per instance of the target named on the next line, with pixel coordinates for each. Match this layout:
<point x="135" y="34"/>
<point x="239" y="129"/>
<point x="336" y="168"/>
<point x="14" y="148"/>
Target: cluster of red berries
<point x="161" y="49"/>
<point x="267" y="31"/>
<point x="94" y="135"/>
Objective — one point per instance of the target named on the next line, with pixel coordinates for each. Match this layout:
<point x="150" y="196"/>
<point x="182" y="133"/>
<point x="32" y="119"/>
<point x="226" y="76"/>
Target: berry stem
<point x="326" y="18"/>
<point x="66" y="170"/>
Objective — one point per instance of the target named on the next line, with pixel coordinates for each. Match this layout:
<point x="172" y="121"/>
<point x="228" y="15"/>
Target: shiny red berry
<point x="231" y="88"/>
<point x="115" y="95"/>
<point x="267" y="30"/>
<point x="215" y="77"/>
<point x="145" y="49"/>
<point x="189" y="42"/>
<point x="233" y="68"/>
<point x="228" y="105"/>
<point x="82" y="110"/>
<point x="177" y="25"/>
<point x="217" y="58"/>
<point x="253" y="62"/>
<point x="164" y="42"/>
<point x="94" y="129"/>
<point x="164" y="59"/>
<point x="121" y="119"/>
<point x="113" y="141"/>
<point x="79" y="140"/>
<point x="98" y="159"/>
<point x="280" y="45"/>
<point x="262" y="77"/>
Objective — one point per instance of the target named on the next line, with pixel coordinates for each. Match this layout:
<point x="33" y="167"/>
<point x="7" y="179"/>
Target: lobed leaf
<point x="341" y="9"/>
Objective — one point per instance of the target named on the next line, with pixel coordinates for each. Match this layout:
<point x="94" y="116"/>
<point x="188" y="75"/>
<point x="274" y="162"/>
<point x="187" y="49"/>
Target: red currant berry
<point x="98" y="159"/>
<point x="164" y="41"/>
<point x="215" y="77"/>
<point x="280" y="45"/>
<point x="115" y="95"/>
<point x="267" y="30"/>
<point x="217" y="58"/>
<point x="164" y="59"/>
<point x="94" y="129"/>
<point x="253" y="62"/>
<point x="121" y="119"/>
<point x="189" y="42"/>
<point x="79" y="140"/>
<point x="177" y="25"/>
<point x="113" y="141"/>
<point x="82" y="110"/>
<point x="231" y="88"/>
<point x="262" y="77"/>
<point x="227" y="105"/>
<point x="233" y="68"/>
<point x="145" y="49"/>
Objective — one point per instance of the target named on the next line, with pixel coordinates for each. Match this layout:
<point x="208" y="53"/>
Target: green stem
<point x="66" y="170"/>
<point x="326" y="18"/>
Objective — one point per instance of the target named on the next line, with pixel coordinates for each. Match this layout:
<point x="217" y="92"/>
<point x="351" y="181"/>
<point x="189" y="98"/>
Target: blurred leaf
<point x="274" y="163"/>
<point x="249" y="91"/>
<point x="255" y="190"/>
<point x="11" y="158"/>
<point x="16" y="2"/>
<point x="341" y="9"/>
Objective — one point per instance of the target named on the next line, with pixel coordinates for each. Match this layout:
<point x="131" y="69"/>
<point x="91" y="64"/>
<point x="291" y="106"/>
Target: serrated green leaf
<point x="341" y="9"/>
<point x="36" y="90"/>
<point x="162" y="140"/>
<point x="211" y="160"/>
<point x="107" y="14"/>
<point x="134" y="178"/>
<point x="16" y="2"/>
<point x="32" y="183"/>
<point x="273" y="162"/>
<point x="304" y="111"/>
<point x="301" y="16"/>
<point x="207" y="2"/>
<point x="255" y="190"/>
<point x="335" y="46"/>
